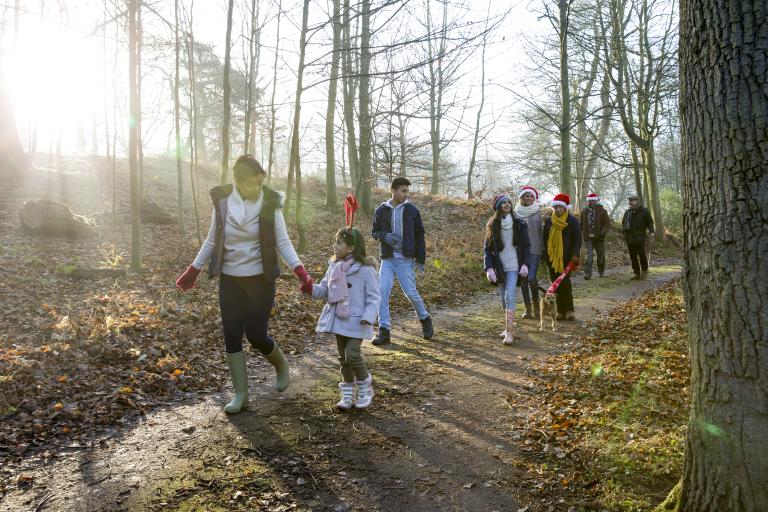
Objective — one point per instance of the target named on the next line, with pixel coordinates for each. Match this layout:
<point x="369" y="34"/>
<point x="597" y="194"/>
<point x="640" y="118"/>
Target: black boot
<point x="382" y="338"/>
<point x="426" y="328"/>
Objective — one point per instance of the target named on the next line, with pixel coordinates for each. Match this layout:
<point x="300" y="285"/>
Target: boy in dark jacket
<point x="562" y="243"/>
<point x="635" y="223"/>
<point x="397" y="226"/>
<point x="595" y="224"/>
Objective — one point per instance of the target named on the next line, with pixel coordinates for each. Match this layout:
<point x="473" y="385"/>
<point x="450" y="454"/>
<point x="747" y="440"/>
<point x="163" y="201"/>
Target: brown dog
<point x="547" y="307"/>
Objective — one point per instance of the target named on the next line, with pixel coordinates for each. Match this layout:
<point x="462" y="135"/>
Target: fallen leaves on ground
<point x="609" y="427"/>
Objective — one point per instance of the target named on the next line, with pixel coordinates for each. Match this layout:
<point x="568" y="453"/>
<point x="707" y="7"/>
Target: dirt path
<point x="442" y="434"/>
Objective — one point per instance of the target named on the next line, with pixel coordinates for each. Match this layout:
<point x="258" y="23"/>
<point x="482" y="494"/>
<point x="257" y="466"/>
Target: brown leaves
<point x="619" y="396"/>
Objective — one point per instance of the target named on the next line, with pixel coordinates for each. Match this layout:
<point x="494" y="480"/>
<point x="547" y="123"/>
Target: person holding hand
<point x="247" y="233"/>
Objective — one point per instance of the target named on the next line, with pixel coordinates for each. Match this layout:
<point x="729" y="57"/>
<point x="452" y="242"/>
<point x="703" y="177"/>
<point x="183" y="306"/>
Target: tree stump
<point x="51" y="218"/>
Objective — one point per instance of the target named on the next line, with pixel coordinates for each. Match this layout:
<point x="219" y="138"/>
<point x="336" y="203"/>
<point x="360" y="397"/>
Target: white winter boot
<point x="347" y="395"/>
<point x="364" y="392"/>
<point x="508" y="339"/>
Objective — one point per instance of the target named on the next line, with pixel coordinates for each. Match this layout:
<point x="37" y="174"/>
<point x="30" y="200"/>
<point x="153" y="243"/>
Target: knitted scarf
<point x="507" y="222"/>
<point x="555" y="241"/>
<point x="526" y="211"/>
<point x="338" y="291"/>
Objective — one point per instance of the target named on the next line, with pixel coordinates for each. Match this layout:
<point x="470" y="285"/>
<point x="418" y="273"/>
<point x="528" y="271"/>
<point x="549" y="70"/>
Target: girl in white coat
<point x="351" y="290"/>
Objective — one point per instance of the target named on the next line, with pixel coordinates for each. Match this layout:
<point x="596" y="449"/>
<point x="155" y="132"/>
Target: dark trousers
<point x="564" y="293"/>
<point x="245" y="304"/>
<point x="638" y="257"/>
<point x="598" y="245"/>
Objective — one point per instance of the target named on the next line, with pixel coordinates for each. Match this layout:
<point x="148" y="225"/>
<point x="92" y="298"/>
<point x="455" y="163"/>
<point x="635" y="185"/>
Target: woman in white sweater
<point x="246" y="235"/>
<point x="506" y="257"/>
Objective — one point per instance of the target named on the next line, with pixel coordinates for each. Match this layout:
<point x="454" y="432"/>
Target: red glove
<point x="301" y="273"/>
<point x="188" y="278"/>
<point x="576" y="262"/>
<point x="306" y="281"/>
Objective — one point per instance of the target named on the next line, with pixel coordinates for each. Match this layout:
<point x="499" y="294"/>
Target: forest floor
<point x="112" y="390"/>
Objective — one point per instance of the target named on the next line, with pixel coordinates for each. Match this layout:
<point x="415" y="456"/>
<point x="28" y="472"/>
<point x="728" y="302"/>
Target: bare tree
<point x="330" y="158"/>
<point x="476" y="138"/>
<point x="366" y="129"/>
<point x="133" y="137"/>
<point x="640" y="84"/>
<point x="274" y="90"/>
<point x="176" y="118"/>
<point x="225" y="118"/>
<point x="254" y="53"/>
<point x="294" y="166"/>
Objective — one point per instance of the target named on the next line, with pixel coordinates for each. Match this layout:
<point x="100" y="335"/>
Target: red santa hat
<point x="561" y="200"/>
<point x="593" y="197"/>
<point x="527" y="189"/>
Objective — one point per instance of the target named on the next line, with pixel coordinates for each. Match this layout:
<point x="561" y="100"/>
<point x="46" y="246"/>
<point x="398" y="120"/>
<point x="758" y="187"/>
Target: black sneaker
<point x="382" y="338"/>
<point x="587" y="277"/>
<point x="426" y="328"/>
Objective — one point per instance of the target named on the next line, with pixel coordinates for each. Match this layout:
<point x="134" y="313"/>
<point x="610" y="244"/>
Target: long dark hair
<point x="353" y="238"/>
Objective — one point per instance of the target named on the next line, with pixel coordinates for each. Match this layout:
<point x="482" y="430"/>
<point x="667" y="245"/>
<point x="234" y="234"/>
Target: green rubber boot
<point x="278" y="360"/>
<point x="239" y="381"/>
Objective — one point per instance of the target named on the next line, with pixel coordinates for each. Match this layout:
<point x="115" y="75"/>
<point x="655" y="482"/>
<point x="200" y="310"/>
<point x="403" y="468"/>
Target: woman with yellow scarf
<point x="562" y="244"/>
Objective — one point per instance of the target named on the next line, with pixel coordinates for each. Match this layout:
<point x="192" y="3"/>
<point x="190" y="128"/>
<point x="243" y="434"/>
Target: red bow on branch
<point x="350" y="207"/>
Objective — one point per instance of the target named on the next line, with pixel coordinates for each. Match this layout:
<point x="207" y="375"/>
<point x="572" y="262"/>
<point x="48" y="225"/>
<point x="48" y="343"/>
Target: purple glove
<point x="491" y="275"/>
<point x="524" y="271"/>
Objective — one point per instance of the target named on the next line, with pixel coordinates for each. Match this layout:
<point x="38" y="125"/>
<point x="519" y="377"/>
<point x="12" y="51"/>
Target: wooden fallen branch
<point x="97" y="273"/>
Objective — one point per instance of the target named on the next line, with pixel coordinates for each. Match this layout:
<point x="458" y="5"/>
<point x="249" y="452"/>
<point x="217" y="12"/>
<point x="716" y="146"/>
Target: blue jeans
<point x="531" y="283"/>
<point x="508" y="290"/>
<point x="403" y="269"/>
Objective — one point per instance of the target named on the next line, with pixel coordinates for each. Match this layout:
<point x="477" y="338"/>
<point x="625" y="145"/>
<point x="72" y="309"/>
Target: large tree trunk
<point x="724" y="114"/>
<point x="227" y="97"/>
<point x="330" y="157"/>
<point x="133" y="135"/>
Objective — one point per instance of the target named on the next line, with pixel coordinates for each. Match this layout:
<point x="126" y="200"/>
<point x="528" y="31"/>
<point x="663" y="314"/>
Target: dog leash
<point x="556" y="283"/>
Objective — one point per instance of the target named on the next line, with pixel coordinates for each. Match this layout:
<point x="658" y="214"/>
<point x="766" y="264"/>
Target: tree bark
<point x="330" y="157"/>
<point x="364" y="185"/>
<point x="177" y="120"/>
<point x="348" y="90"/>
<point x="253" y="69"/>
<point x="724" y="115"/>
<point x="272" y="101"/>
<point x="227" y="97"/>
<point x="473" y="157"/>
<point x="294" y="167"/>
<point x="133" y="137"/>
<point x="565" y="103"/>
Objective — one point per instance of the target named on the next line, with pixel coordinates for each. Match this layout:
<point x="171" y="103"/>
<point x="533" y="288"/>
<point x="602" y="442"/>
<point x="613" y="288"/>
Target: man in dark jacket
<point x="561" y="246"/>
<point x="397" y="226"/>
<point x="595" y="224"/>
<point x="635" y="223"/>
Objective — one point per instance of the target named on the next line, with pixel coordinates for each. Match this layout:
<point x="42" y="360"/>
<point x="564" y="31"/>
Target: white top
<point x="508" y="254"/>
<point x="242" y="248"/>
